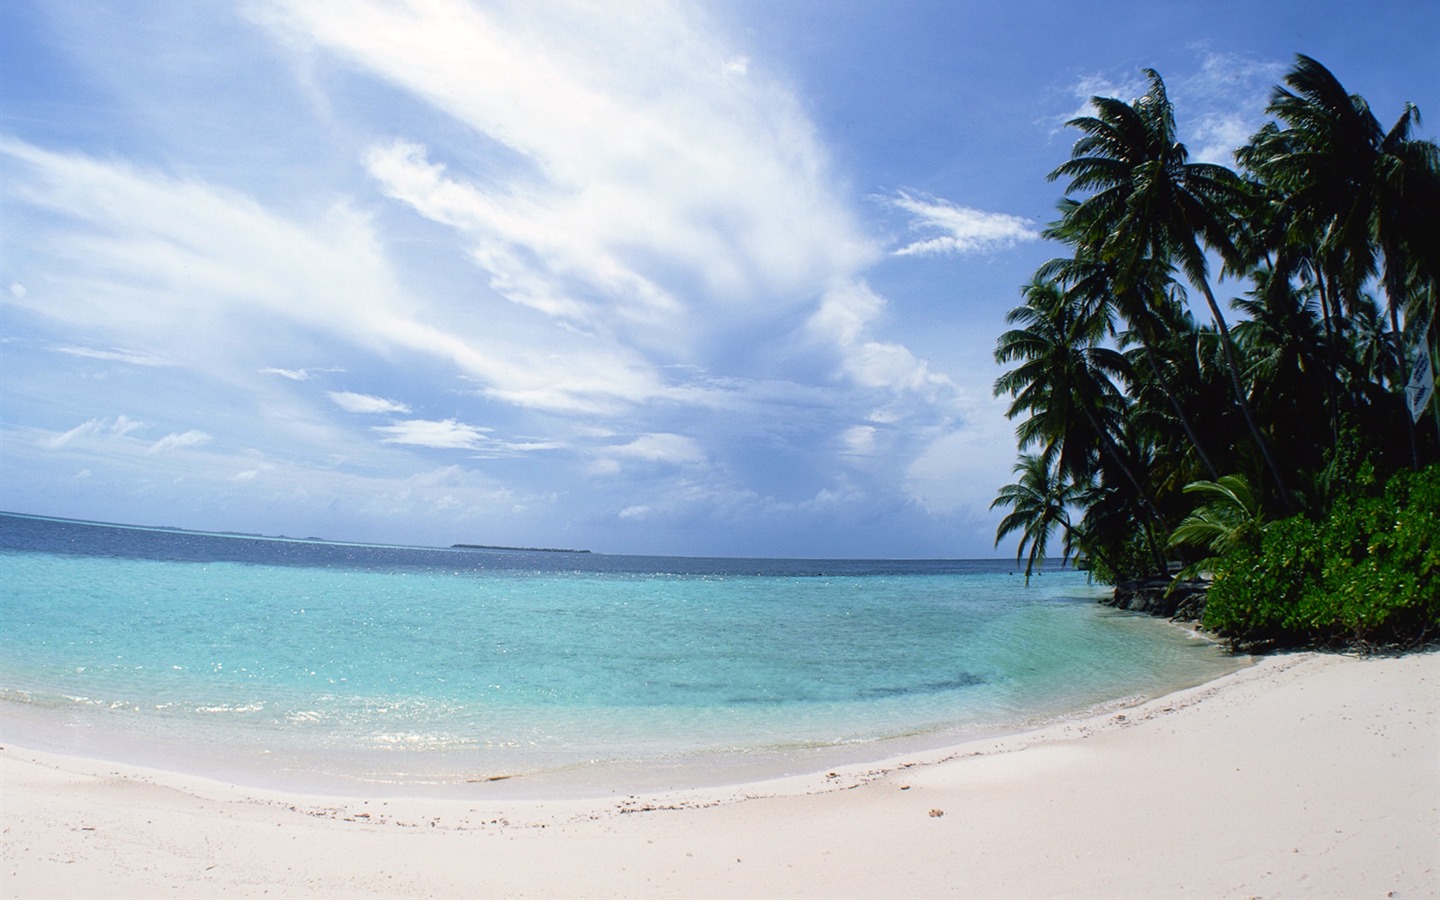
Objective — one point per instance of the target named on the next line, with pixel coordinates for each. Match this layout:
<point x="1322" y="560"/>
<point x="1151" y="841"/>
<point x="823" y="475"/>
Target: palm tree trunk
<point x="1404" y="370"/>
<point x="1146" y="341"/>
<point x="1434" y="355"/>
<point x="1228" y="344"/>
<point x="1332" y="350"/>
<point x="1108" y="443"/>
<point x="1432" y="339"/>
<point x="1157" y="556"/>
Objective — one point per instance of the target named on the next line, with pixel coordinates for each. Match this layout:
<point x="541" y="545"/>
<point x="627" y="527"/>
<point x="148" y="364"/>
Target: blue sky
<point x="702" y="279"/>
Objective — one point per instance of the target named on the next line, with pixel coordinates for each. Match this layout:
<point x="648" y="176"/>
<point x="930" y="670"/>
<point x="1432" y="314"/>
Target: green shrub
<point x="1256" y="590"/>
<point x="1367" y="574"/>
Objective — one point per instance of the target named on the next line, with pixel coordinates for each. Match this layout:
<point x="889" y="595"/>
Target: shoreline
<point x="1305" y="774"/>
<point x="527" y="775"/>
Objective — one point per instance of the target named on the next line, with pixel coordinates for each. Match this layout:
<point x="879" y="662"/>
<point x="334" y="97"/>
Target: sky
<point x="716" y="279"/>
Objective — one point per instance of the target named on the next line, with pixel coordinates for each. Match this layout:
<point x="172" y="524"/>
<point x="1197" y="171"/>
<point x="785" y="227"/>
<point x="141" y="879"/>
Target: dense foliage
<point x="1369" y="573"/>
<point x="1151" y="440"/>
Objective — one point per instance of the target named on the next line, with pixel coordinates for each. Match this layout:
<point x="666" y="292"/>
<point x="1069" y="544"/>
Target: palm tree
<point x="1039" y="501"/>
<point x="1149" y="202"/>
<point x="1067" y="385"/>
<point x="1362" y="188"/>
<point x="1119" y="530"/>
<point x="1147" y="304"/>
<point x="1229" y="517"/>
<point x="1291" y="366"/>
<point x="1353" y="194"/>
<point x="1120" y="395"/>
<point x="1066" y="380"/>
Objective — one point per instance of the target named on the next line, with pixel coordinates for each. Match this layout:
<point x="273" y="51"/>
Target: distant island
<point x="516" y="549"/>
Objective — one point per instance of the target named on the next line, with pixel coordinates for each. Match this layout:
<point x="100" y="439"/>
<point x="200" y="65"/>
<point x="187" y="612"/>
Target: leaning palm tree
<point x="1144" y="304"/>
<point x="1066" y="385"/>
<point x="1291" y="366"/>
<point x="1147" y="201"/>
<point x="1368" y="195"/>
<point x="1352" y="194"/>
<point x="1066" y="381"/>
<point x="1039" y="502"/>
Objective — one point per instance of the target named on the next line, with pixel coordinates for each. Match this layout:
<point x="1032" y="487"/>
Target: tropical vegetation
<point x="1271" y="442"/>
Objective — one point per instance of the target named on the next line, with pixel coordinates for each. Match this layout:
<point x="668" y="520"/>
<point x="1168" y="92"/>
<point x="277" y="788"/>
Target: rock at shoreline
<point x="1184" y="600"/>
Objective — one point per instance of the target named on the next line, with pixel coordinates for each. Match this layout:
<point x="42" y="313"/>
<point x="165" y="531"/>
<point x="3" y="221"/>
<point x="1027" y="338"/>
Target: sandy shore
<point x="1306" y="775"/>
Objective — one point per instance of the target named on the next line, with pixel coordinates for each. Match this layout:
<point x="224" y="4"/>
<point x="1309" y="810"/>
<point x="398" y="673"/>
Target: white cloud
<point x="1095" y="84"/>
<point x="177" y="441"/>
<point x="66" y="437"/>
<point x="656" y="229"/>
<point x="644" y="178"/>
<point x="221" y="276"/>
<point x="123" y="426"/>
<point x="603" y="467"/>
<point x="845" y="313"/>
<point x="648" y="200"/>
<point x="201" y="264"/>
<point x="1219" y="135"/>
<point x="452" y="496"/>
<point x="295" y="374"/>
<point x="959" y="469"/>
<point x="961" y="229"/>
<point x="1217" y="108"/>
<point x="292" y="374"/>
<point x="365" y="403"/>
<point x="858" y="440"/>
<point x="288" y="493"/>
<point x="446" y="434"/>
<point x="844" y="319"/>
<point x="1224" y="104"/>
<point x="890" y="365"/>
<point x="120" y="426"/>
<point x="535" y="255"/>
<point x="135" y="358"/>
<point x="672" y="449"/>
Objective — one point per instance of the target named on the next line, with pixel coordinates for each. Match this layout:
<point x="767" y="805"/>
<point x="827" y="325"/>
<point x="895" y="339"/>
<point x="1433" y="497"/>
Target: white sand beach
<point x="1306" y="775"/>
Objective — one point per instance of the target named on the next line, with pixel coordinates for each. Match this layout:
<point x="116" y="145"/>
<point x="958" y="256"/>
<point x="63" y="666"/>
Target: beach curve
<point x="1305" y="775"/>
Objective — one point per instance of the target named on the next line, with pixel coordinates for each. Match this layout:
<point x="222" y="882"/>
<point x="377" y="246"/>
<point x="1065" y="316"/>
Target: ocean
<point x="357" y="668"/>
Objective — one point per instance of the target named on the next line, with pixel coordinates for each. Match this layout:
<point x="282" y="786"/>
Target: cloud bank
<point x="608" y="232"/>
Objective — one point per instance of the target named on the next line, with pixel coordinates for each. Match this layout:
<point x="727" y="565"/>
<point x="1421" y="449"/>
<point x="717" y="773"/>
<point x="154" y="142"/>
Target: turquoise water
<point x="260" y="659"/>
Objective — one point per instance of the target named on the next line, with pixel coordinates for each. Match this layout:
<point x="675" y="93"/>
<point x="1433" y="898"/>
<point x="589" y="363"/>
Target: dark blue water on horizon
<point x="406" y="666"/>
<point x="45" y="534"/>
